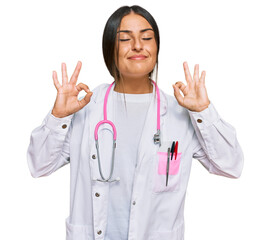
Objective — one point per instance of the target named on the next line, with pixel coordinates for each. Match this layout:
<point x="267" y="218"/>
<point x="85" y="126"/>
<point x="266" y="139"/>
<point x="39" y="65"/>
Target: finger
<point x="196" y="72"/>
<point x="85" y="100"/>
<point x="56" y="82"/>
<point x="64" y="74"/>
<point x="202" y="77"/>
<point x="187" y="73"/>
<point x="181" y="86"/>
<point x="76" y="73"/>
<point x="82" y="86"/>
<point x="178" y="96"/>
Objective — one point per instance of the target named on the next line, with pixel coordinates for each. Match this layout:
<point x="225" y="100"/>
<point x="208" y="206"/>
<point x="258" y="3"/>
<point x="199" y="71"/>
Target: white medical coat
<point x="156" y="210"/>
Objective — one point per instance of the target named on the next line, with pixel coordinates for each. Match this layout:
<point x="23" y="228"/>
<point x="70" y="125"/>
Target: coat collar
<point x="101" y="90"/>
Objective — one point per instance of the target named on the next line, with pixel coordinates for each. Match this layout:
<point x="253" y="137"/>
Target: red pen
<point x="176" y="149"/>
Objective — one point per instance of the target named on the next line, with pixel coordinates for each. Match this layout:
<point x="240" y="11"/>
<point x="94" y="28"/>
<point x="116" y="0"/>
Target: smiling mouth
<point x="138" y="57"/>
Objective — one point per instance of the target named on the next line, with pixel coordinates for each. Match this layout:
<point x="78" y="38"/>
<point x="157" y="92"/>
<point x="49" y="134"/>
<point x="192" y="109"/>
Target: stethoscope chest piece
<point x="157" y="138"/>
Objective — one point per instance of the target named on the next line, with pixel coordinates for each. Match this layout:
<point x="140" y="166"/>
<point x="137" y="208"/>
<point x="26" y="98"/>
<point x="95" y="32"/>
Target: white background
<point x="229" y="39"/>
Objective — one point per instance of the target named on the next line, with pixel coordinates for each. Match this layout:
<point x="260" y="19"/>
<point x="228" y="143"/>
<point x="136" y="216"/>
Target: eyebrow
<point x="129" y="31"/>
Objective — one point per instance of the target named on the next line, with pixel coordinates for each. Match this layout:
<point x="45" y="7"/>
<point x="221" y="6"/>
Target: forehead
<point x="134" y="22"/>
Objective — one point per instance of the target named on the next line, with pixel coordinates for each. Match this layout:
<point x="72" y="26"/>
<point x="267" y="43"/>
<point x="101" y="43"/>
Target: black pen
<point x="172" y="149"/>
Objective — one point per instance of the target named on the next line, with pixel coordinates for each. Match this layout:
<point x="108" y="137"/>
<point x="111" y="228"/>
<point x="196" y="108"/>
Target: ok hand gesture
<point x="195" y="95"/>
<point x="67" y="102"/>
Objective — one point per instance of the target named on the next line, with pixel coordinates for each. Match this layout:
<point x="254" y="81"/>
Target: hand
<point x="67" y="102"/>
<point x="195" y="95"/>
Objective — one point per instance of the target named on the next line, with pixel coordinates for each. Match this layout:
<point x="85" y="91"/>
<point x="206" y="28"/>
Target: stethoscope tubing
<point x="106" y="121"/>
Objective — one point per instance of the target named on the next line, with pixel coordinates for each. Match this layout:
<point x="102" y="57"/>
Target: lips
<point x="137" y="57"/>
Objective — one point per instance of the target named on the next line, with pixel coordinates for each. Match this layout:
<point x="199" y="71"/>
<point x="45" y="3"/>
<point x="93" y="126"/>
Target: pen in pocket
<point x="172" y="149"/>
<point x="168" y="155"/>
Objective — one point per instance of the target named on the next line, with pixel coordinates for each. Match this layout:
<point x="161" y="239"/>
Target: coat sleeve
<point x="215" y="143"/>
<point x="49" y="145"/>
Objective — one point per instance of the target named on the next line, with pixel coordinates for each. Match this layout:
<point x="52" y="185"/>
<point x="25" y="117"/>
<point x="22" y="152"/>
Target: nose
<point x="137" y="44"/>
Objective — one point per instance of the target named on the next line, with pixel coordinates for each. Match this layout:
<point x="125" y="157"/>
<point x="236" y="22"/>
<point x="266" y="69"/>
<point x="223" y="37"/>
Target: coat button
<point x="97" y="194"/>
<point x="93" y="156"/>
<point x="199" y="121"/>
<point x="134" y="202"/>
<point x="64" y="126"/>
<point x="99" y="232"/>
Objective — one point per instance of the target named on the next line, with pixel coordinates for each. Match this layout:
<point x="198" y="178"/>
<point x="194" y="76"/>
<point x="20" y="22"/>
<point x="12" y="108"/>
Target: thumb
<point x="86" y="99"/>
<point x="178" y="96"/>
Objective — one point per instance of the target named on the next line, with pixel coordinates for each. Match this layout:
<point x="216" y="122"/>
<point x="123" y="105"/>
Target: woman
<point x="141" y="195"/>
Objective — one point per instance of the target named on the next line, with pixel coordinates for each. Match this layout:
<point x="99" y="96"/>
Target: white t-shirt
<point x="120" y="192"/>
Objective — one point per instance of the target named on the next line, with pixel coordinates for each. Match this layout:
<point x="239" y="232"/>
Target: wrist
<point x="58" y="115"/>
<point x="200" y="108"/>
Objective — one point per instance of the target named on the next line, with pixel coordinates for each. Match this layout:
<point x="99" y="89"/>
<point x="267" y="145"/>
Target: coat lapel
<point x="146" y="146"/>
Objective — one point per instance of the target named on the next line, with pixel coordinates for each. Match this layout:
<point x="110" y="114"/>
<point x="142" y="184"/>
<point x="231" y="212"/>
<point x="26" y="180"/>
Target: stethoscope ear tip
<point x="117" y="178"/>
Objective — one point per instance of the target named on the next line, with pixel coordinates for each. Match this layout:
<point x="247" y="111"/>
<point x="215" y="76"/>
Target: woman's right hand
<point x="67" y="101"/>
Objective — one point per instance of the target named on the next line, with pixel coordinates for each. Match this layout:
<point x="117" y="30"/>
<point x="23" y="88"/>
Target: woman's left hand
<point x="195" y="95"/>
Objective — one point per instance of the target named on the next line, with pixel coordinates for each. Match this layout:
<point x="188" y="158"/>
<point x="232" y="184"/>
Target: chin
<point x="138" y="71"/>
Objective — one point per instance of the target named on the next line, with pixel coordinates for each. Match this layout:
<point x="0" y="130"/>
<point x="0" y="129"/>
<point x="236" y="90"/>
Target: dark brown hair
<point x="110" y="34"/>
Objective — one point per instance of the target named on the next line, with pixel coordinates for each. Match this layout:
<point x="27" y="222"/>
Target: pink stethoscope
<point x="156" y="138"/>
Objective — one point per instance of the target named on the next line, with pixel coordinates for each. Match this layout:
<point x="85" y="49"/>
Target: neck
<point x="134" y="85"/>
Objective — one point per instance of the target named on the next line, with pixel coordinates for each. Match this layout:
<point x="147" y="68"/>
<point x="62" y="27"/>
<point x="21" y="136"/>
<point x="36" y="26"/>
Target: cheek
<point x="152" y="49"/>
<point x="123" y="50"/>
<point x="153" y="53"/>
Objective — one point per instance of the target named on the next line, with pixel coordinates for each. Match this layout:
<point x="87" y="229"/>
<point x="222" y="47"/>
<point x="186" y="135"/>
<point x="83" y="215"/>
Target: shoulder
<point x="98" y="92"/>
<point x="97" y="96"/>
<point x="177" y="121"/>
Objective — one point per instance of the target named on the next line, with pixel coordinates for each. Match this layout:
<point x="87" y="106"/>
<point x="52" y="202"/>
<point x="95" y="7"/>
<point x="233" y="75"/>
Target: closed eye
<point x="123" y="40"/>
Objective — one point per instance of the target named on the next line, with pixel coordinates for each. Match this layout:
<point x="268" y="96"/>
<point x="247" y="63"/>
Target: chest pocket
<point x="160" y="165"/>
